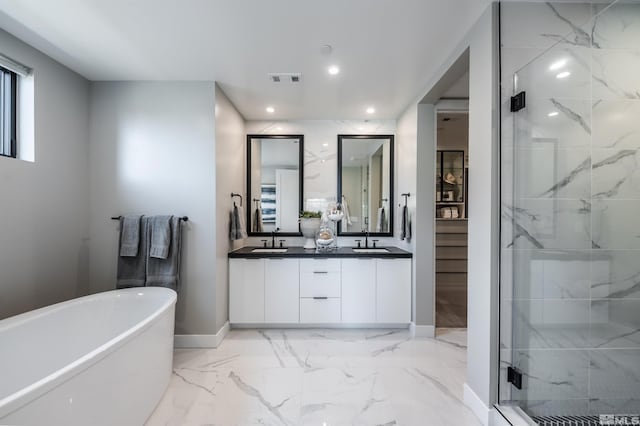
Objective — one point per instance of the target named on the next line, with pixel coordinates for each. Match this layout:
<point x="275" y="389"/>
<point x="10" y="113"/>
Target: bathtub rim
<point x="38" y="388"/>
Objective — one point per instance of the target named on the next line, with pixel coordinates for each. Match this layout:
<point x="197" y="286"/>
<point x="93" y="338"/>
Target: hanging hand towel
<point x="166" y="272"/>
<point x="257" y="220"/>
<point x="132" y="269"/>
<point x="238" y="231"/>
<point x="160" y="232"/>
<point x="129" y="235"/>
<point x="405" y="225"/>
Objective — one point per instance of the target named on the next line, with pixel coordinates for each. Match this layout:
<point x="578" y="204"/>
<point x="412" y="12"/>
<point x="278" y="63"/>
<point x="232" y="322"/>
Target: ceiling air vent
<point x="285" y="77"/>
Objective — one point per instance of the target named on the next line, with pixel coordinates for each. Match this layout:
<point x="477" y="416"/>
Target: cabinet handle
<point x="320" y="298"/>
<point x="320" y="272"/>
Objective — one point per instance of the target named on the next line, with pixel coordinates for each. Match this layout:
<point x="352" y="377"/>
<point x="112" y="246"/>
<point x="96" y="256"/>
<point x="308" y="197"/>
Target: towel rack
<point x="183" y="218"/>
<point x="406" y="197"/>
<point x="233" y="194"/>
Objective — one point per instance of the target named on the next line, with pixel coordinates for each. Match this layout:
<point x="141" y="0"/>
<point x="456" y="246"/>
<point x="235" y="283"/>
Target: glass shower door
<point x="570" y="260"/>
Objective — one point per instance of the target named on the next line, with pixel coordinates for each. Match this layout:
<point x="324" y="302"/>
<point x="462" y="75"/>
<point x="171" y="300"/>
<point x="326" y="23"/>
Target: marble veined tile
<point x="614" y="373"/>
<point x="530" y="24"/>
<point x="614" y="224"/>
<point x="552" y="374"/>
<point x="316" y="377"/>
<point x="615" y="274"/>
<point x="554" y="123"/>
<point x="551" y="324"/>
<point x="615" y="323"/>
<point x="548" y="224"/>
<point x="552" y="172"/>
<point x="616" y="174"/>
<point x="615" y="73"/>
<point x="618" y="26"/>
<point x="551" y="274"/>
<point x="560" y="73"/>
<point x="615" y="124"/>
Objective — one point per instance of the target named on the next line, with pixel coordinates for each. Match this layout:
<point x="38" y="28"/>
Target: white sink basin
<point x="269" y="250"/>
<point x="370" y="250"/>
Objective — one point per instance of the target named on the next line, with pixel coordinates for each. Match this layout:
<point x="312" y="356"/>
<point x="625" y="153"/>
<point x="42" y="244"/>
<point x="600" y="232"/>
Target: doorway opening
<point x="451" y="213"/>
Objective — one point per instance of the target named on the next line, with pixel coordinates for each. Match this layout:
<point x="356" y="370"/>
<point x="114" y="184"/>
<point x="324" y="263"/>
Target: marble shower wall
<point x="570" y="269"/>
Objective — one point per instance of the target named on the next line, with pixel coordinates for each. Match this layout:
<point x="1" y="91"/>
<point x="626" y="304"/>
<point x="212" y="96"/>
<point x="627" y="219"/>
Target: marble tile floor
<point x="321" y="378"/>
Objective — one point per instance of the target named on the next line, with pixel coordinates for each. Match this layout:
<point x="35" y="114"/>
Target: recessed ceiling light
<point x="278" y="128"/>
<point x="563" y="74"/>
<point x="371" y="110"/>
<point x="333" y="70"/>
<point x="558" y="64"/>
<point x="270" y="109"/>
<point x="361" y="128"/>
<point x="325" y="144"/>
<point x="553" y="113"/>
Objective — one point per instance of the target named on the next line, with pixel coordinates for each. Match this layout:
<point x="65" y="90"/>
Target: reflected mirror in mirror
<point x="274" y="183"/>
<point x="365" y="184"/>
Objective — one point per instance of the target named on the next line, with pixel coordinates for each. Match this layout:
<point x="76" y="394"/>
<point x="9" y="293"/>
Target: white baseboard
<point x="422" y="330"/>
<point x="473" y="401"/>
<point x="201" y="340"/>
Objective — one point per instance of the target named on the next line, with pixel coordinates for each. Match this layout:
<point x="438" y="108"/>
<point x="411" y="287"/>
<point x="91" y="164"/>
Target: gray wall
<point x="153" y="152"/>
<point x="230" y="177"/>
<point x="44" y="226"/>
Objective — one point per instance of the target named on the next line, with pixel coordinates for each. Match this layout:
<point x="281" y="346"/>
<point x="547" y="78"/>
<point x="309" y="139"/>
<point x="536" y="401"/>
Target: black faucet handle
<point x="264" y="242"/>
<point x="358" y="241"/>
<point x="282" y="243"/>
<point x="374" y="243"/>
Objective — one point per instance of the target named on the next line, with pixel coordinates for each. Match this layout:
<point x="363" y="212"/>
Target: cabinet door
<point x="282" y="291"/>
<point x="393" y="291"/>
<point x="359" y="290"/>
<point x="246" y="291"/>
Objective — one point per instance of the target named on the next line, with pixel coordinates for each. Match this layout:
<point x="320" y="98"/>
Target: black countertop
<point x="295" y="252"/>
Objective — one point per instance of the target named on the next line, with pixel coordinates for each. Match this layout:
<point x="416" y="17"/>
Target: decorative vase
<point x="309" y="227"/>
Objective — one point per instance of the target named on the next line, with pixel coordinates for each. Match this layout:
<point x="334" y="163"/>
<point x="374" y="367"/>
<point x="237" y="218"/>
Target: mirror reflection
<point x="365" y="168"/>
<point x="274" y="183"/>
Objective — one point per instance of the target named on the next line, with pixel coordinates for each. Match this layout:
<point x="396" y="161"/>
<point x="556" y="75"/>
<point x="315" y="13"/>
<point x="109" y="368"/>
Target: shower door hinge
<point x="514" y="377"/>
<point x="518" y="102"/>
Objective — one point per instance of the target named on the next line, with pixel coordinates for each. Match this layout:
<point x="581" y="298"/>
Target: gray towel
<point x="166" y="272"/>
<point x="381" y="225"/>
<point x="257" y="221"/>
<point x="238" y="231"/>
<point x="132" y="269"/>
<point x="129" y="235"/>
<point x="160" y="234"/>
<point x="405" y="226"/>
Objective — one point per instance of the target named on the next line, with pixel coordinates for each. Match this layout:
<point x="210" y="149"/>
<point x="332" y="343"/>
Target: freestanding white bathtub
<point x="103" y="359"/>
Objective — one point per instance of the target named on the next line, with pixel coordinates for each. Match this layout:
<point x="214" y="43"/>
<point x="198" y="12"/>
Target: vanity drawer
<point x="320" y="265"/>
<point x="315" y="311"/>
<point x="319" y="283"/>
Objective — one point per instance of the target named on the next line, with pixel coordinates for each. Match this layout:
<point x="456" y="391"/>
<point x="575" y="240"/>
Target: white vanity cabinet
<point x="393" y="291"/>
<point x="320" y="288"/>
<point x="281" y="291"/>
<point x="313" y="290"/>
<point x="246" y="291"/>
<point x="359" y="290"/>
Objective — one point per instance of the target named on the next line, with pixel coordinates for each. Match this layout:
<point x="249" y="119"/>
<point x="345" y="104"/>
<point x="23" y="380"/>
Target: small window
<point x="8" y="125"/>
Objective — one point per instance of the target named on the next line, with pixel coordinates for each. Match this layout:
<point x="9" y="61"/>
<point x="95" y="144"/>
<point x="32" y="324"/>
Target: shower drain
<point x="567" y="420"/>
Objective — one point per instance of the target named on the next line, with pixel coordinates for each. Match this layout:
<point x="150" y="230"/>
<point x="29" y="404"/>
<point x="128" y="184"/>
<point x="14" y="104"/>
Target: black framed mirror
<point x="365" y="184"/>
<point x="274" y="184"/>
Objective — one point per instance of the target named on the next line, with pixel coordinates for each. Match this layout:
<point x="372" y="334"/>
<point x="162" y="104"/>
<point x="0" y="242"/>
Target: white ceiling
<point x="386" y="50"/>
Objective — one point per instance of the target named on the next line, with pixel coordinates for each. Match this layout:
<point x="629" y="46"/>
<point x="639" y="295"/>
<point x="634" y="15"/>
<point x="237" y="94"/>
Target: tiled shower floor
<point x="320" y="377"/>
